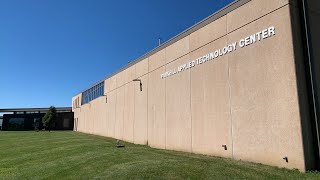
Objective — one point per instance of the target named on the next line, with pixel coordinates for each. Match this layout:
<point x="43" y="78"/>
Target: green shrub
<point x="49" y="118"/>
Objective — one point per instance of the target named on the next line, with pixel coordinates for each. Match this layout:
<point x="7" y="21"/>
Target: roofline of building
<point x="218" y="14"/>
<point x="34" y="109"/>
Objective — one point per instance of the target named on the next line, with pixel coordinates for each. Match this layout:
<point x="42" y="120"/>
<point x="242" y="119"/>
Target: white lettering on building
<point x="252" y="39"/>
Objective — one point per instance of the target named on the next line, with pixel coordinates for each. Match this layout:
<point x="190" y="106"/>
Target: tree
<point x="49" y="118"/>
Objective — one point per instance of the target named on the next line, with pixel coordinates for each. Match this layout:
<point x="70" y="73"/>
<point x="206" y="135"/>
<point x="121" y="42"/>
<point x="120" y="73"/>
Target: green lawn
<point x="70" y="155"/>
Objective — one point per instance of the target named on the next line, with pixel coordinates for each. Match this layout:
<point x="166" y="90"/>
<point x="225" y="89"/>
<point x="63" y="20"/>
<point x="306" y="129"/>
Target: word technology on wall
<point x="252" y="39"/>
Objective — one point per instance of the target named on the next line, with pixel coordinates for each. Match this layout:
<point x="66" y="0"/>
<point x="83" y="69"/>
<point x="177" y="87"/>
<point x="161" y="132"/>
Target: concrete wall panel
<point x="111" y="113"/>
<point x="112" y="83"/>
<point x="87" y="125"/>
<point x="90" y="118"/>
<point x="208" y="33"/>
<point x="101" y="116"/>
<point x="128" y="122"/>
<point x="142" y="68"/>
<point x="97" y="114"/>
<point x="98" y="125"/>
<point x="106" y="86"/>
<point x="119" y="113"/>
<point x="156" y="109"/>
<point x="177" y="49"/>
<point x="94" y="117"/>
<point x="121" y="77"/>
<point x="141" y="111"/>
<point x="130" y="74"/>
<point x="178" y="116"/>
<point x="80" y="122"/>
<point x="76" y="117"/>
<point x="265" y="107"/>
<point x="77" y="111"/>
<point x="104" y="116"/>
<point x="210" y="104"/>
<point x="85" y="115"/>
<point x="157" y="60"/>
<point x="76" y="101"/>
<point x="252" y="11"/>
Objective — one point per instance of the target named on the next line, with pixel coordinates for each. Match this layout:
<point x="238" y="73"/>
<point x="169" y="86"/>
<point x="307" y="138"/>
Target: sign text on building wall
<point x="254" y="38"/>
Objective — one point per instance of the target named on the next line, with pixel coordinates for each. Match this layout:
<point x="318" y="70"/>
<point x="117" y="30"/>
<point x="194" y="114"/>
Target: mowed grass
<point x="71" y="155"/>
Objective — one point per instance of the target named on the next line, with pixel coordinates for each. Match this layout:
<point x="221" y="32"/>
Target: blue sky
<point x="52" y="49"/>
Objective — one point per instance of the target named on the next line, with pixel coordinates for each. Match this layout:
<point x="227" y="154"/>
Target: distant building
<point x="23" y="119"/>
<point x="243" y="83"/>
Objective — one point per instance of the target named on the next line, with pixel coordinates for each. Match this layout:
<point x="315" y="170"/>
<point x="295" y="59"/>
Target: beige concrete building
<point x="241" y="84"/>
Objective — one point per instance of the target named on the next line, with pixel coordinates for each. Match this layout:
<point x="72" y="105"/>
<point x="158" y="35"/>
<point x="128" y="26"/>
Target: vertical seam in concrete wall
<point x="165" y="100"/>
<point x="107" y="115"/>
<point x="229" y="84"/>
<point x="134" y="105"/>
<point x="147" y="76"/>
<point x="88" y="119"/>
<point x="115" y="116"/>
<point x="191" y="149"/>
<point x="124" y="102"/>
<point x="148" y="140"/>
<point x="123" y="113"/>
